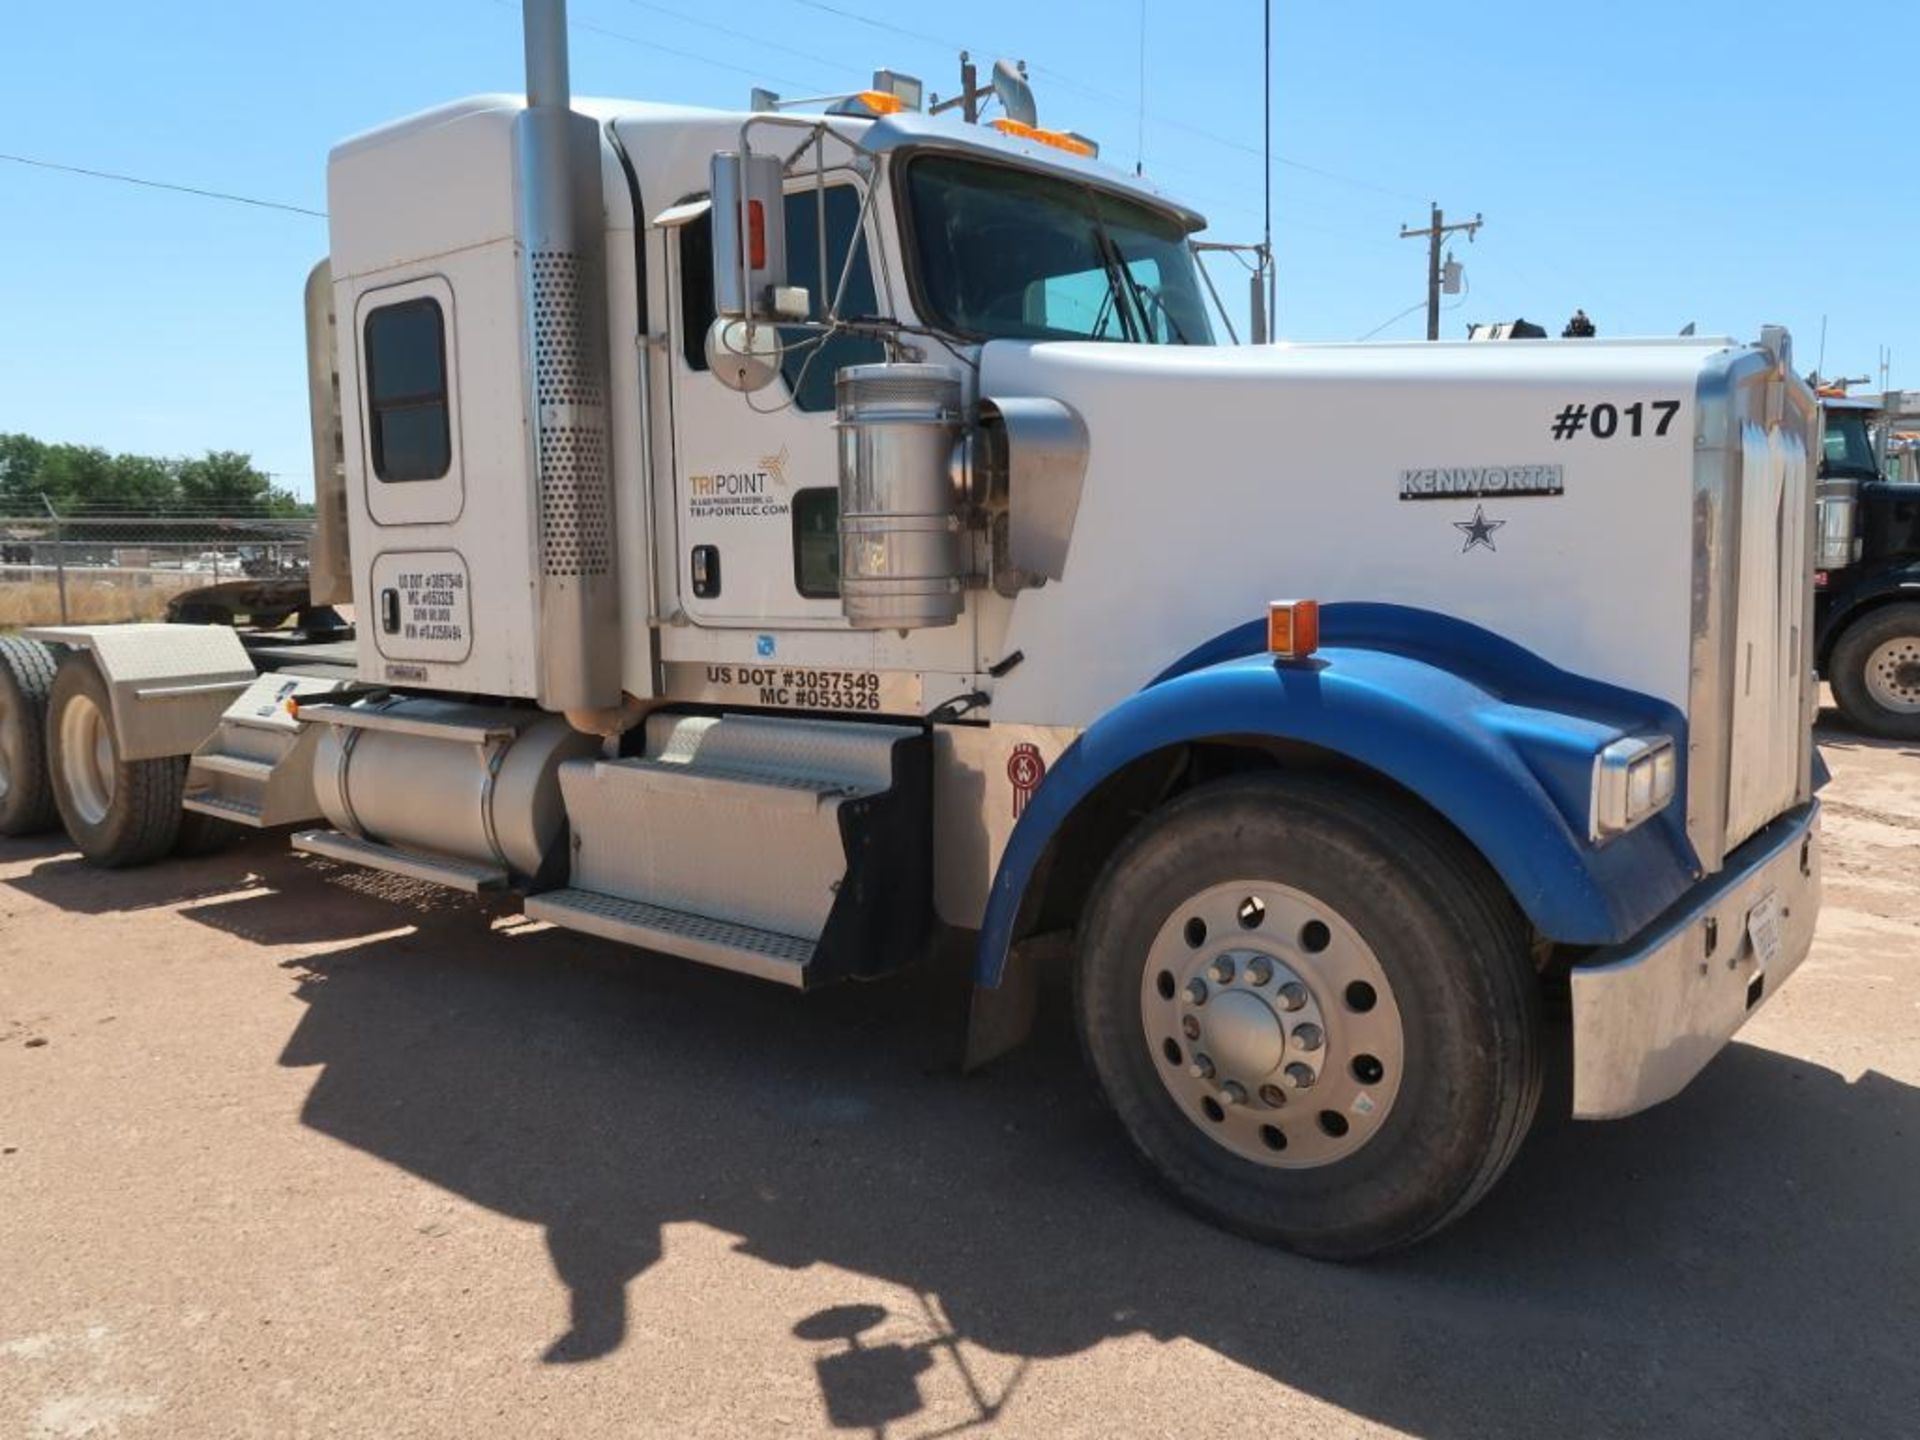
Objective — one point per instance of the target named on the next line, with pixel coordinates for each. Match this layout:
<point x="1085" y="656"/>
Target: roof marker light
<point x="1058" y="139"/>
<point x="1293" y="628"/>
<point x="871" y="103"/>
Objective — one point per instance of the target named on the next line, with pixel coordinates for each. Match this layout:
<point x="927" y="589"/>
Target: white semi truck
<point x="778" y="539"/>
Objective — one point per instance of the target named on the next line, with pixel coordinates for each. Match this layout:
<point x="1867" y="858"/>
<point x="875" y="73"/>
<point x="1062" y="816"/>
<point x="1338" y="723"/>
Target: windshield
<point x="1004" y="253"/>
<point x="1849" y="449"/>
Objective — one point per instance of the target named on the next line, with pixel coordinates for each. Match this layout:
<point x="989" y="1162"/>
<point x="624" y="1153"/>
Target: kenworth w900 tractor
<point x="780" y="538"/>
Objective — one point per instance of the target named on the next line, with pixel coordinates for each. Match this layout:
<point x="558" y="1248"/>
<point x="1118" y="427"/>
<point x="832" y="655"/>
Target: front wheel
<point x="1875" y="672"/>
<point x="1313" y="1009"/>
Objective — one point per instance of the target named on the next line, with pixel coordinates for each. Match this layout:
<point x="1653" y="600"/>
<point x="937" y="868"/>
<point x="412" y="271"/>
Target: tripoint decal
<point x="749" y="493"/>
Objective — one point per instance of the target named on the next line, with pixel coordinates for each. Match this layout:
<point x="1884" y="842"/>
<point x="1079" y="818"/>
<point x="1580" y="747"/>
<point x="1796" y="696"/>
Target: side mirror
<point x="749" y="235"/>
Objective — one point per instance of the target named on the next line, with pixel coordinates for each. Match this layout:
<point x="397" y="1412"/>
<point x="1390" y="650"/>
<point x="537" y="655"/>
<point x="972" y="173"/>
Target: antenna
<point x="1266" y="166"/>
<point x="1140" y="118"/>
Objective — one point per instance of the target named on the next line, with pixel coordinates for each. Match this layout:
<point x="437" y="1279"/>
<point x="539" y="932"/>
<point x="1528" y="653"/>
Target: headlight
<point x="1632" y="779"/>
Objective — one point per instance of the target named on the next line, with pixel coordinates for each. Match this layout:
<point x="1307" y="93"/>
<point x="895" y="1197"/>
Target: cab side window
<point x="405" y="345"/>
<point x="808" y="368"/>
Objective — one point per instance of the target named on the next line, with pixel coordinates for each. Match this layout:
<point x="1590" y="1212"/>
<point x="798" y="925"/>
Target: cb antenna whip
<point x="1266" y="160"/>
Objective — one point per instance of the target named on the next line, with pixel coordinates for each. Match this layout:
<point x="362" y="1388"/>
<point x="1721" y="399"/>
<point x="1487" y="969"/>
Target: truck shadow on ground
<point x="1832" y="732"/>
<point x="1744" y="1259"/>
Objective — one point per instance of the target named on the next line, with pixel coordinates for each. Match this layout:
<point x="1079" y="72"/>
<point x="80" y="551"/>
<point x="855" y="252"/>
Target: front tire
<point x="1313" y="1009"/>
<point x="119" y="812"/>
<point x="1875" y="672"/>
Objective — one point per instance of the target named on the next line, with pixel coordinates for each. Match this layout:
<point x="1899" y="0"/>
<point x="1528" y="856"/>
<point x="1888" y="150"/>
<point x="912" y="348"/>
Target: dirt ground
<point x="288" y="1150"/>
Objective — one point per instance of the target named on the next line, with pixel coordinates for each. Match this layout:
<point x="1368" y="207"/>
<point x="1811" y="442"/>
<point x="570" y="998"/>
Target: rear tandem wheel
<point x="119" y="812"/>
<point x="26" y="677"/>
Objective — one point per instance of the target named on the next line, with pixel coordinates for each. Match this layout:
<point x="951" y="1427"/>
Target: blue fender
<point x="1488" y="734"/>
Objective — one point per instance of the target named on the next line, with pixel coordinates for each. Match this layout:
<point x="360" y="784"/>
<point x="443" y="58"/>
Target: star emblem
<point x="1479" y="530"/>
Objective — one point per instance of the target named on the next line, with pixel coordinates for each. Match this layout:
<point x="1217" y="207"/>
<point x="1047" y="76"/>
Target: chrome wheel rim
<point x="1893" y="675"/>
<point x="86" y="758"/>
<point x="1272" y="1025"/>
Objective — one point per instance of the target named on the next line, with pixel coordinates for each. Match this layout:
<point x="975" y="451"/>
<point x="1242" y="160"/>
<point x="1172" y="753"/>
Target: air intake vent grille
<point x="564" y="370"/>
<point x="576" y="521"/>
<point x="575" y="531"/>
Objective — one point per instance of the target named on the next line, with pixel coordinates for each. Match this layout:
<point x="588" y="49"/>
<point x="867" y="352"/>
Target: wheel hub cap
<point x="86" y="759"/>
<point x="1243" y="1035"/>
<point x="1272" y="1024"/>
<point x="1893" y="674"/>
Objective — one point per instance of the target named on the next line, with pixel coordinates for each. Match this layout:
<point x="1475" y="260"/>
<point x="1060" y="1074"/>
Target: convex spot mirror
<point x="743" y="355"/>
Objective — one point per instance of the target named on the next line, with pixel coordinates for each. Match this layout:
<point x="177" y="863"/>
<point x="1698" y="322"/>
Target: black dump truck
<point x="1867" y="566"/>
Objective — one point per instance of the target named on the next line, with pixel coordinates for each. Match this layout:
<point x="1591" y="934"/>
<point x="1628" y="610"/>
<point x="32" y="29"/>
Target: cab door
<point x="756" y="476"/>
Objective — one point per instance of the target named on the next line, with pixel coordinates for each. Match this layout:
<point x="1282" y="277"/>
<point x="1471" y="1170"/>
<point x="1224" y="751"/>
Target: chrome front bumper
<point x="1650" y="1013"/>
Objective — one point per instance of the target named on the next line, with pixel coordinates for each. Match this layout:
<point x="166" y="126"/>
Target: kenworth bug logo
<point x="1025" y="769"/>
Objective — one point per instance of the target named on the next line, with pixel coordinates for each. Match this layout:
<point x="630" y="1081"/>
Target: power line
<point x="1120" y="103"/>
<point x="163" y="185"/>
<point x="731" y="33"/>
<point x="884" y="25"/>
<point x="1417" y="305"/>
<point x="610" y="33"/>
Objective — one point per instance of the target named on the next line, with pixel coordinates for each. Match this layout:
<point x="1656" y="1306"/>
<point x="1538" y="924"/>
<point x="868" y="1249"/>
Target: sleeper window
<point x="408" y="430"/>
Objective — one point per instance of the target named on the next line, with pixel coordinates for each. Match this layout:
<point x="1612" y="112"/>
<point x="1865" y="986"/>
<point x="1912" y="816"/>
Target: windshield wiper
<point x="1119" y="283"/>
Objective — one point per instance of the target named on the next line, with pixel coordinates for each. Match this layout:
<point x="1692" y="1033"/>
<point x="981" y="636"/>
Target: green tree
<point x="20" y="460"/>
<point x="85" y="477"/>
<point x="222" y="479"/>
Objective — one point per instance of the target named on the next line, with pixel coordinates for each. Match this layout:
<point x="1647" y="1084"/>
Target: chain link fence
<point x="98" y="564"/>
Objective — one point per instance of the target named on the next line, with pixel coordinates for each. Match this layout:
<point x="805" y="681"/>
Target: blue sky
<point x="1654" y="163"/>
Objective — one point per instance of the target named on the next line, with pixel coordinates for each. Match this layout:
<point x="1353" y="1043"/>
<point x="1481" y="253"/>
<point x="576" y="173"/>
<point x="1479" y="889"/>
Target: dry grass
<point x="90" y="601"/>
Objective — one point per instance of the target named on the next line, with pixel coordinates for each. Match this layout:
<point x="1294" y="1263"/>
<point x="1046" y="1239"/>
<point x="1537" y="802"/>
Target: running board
<point x="765" y="954"/>
<point x="435" y="869"/>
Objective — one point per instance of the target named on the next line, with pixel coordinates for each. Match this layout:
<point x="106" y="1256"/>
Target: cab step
<point x="256" y="769"/>
<point x="798" y="850"/>
<point x="444" y="870"/>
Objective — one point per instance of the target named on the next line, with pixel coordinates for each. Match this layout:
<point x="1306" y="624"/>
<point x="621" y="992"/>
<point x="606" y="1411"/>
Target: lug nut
<point x="1190" y="1027"/>
<point x="1299" y="1076"/>
<point x="1293" y="995"/>
<point x="1272" y="1095"/>
<point x="1259" y="970"/>
<point x="1196" y="991"/>
<point x="1308" y="1037"/>
<point x="1222" y="971"/>
<point x="1234" y="1093"/>
<point x="1202" y="1068"/>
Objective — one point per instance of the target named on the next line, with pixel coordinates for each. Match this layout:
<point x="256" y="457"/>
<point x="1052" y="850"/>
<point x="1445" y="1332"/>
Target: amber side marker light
<point x="1293" y="628"/>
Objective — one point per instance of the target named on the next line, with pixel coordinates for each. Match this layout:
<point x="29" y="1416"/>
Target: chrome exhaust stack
<point x="563" y="335"/>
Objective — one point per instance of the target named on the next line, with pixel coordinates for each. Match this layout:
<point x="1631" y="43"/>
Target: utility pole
<point x="1437" y="229"/>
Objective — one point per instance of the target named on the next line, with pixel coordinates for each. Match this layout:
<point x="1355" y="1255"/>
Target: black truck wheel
<point x="1875" y="672"/>
<point x="1313" y="1008"/>
<point x="119" y="812"/>
<point x="26" y="677"/>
